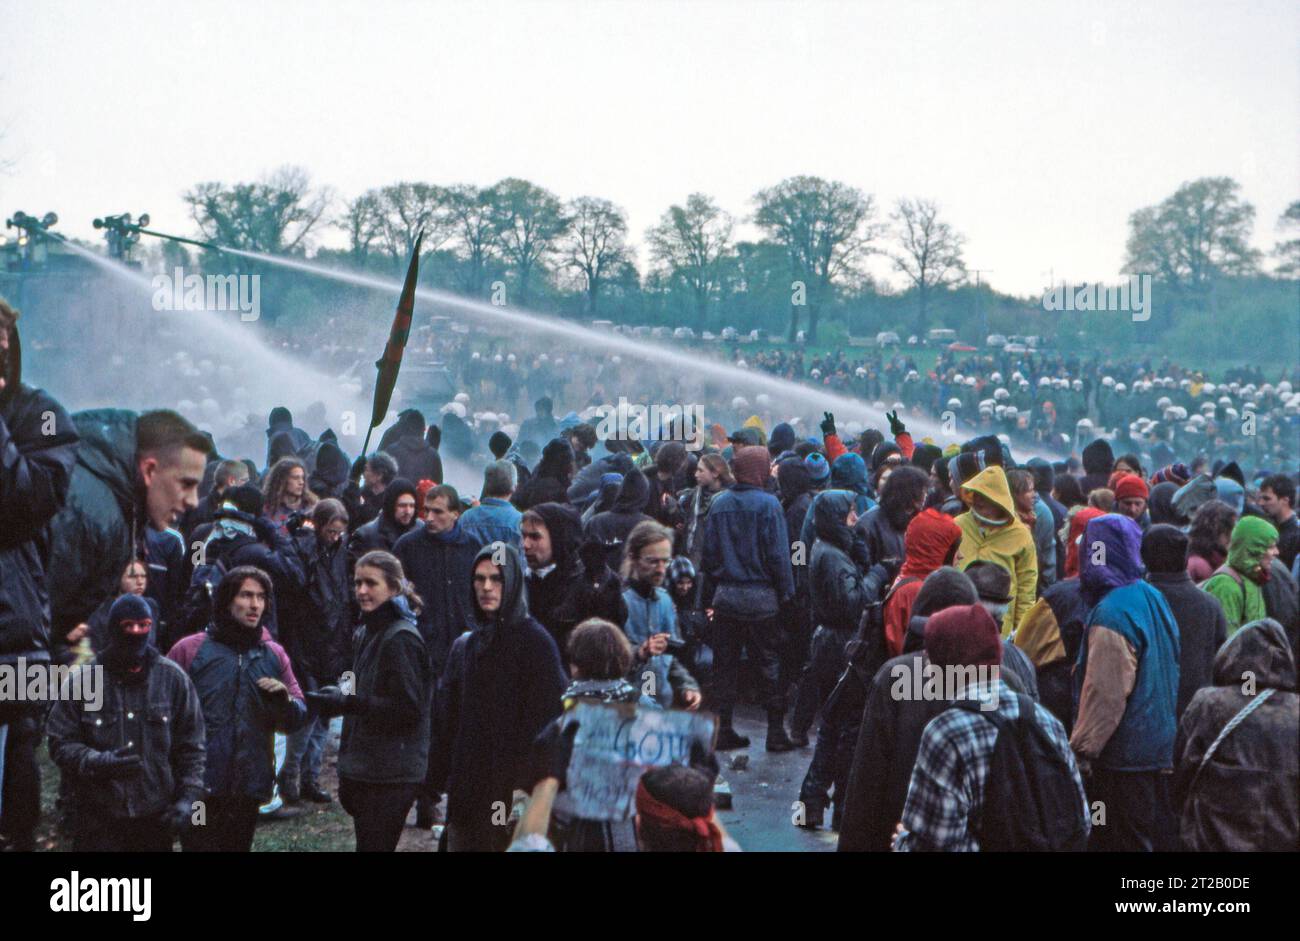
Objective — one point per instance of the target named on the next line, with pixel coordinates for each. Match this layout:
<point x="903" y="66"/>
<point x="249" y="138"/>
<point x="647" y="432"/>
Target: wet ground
<point x="764" y="792"/>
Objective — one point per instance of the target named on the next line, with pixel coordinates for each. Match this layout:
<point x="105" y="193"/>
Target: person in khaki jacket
<point x="991" y="532"/>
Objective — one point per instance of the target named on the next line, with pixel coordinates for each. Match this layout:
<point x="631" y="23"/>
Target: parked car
<point x="887" y="338"/>
<point x="683" y="333"/>
<point x="996" y="340"/>
<point x="707" y="337"/>
<point x="660" y="333"/>
<point x="939" y="336"/>
<point x="729" y="334"/>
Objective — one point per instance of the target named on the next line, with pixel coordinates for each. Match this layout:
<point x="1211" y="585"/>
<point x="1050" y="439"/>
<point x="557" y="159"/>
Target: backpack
<point x="196" y="609"/>
<point x="1031" y="800"/>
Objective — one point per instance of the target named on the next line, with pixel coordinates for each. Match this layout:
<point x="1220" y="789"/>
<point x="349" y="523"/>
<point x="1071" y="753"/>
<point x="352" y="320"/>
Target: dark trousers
<point x="838" y="734"/>
<point x="763" y="639"/>
<point x="378" y="812"/>
<point x="22" y="775"/>
<point x="147" y="835"/>
<point x="228" y="825"/>
<point x="1138" y="815"/>
<point x="826" y="662"/>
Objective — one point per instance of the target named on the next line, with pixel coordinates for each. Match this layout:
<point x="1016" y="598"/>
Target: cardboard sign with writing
<point x="614" y="744"/>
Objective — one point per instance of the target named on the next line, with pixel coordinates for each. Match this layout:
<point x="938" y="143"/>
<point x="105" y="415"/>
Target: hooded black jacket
<point x="839" y="594"/>
<point x="102" y="523"/>
<point x="612" y="527"/>
<point x="568" y="594"/>
<point x="550" y="480"/>
<point x="383" y="531"/>
<point x="416" y="459"/>
<point x="501" y="686"/>
<point x="36" y="471"/>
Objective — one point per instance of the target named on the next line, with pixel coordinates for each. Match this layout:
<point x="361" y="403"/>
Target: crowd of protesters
<point x="1124" y="628"/>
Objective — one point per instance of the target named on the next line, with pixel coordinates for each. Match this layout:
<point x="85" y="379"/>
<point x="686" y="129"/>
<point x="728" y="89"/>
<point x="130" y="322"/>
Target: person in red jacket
<point x="928" y="543"/>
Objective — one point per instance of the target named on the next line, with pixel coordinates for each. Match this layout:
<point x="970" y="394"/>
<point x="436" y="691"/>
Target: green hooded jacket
<point x="1234" y="584"/>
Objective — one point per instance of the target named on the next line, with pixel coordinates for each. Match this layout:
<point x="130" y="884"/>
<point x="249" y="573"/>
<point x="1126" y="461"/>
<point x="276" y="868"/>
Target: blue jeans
<point x="306" y="749"/>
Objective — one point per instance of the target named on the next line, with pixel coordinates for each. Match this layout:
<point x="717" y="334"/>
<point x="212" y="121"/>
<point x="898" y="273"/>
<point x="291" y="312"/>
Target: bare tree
<point x="274" y="215"/>
<point x="825" y="229"/>
<point x="528" y="221"/>
<point x="406" y="209"/>
<point x="362" y="221"/>
<point x="689" y="243"/>
<point x="596" y="244"/>
<point x="472" y="219"/>
<point x="930" y="253"/>
<point x="1288" y="252"/>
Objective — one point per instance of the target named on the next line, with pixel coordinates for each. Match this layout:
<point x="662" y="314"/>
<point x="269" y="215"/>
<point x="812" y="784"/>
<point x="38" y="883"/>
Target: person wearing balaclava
<point x="248" y="691"/>
<point x="132" y="758"/>
<point x="501" y="687"/>
<point x="1238" y="582"/>
<point x="1126" y="684"/>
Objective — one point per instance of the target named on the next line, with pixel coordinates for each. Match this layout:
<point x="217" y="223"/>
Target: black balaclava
<point x="130" y="624"/>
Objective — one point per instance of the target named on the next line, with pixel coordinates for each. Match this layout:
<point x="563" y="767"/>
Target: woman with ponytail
<point x="384" y="752"/>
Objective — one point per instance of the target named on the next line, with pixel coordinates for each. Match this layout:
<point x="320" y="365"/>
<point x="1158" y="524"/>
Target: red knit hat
<point x="751" y="466"/>
<point x="963" y="635"/>
<point x="1131" y="485"/>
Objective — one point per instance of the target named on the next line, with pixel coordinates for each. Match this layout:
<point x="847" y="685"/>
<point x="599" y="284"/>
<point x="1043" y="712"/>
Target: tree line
<point x="575" y="257"/>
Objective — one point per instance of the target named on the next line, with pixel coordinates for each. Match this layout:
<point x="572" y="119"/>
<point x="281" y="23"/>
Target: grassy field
<point x="317" y="828"/>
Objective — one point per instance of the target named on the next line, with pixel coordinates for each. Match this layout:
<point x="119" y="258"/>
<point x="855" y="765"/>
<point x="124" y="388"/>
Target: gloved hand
<point x="295" y="522"/>
<point x="896" y="427"/>
<point x="122" y="763"/>
<point x="266" y="530"/>
<point x="828" y="424"/>
<point x="330" y="701"/>
<point x="434" y="437"/>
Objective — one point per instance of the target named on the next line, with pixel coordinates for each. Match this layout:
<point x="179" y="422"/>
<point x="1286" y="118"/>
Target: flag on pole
<point x="389" y="364"/>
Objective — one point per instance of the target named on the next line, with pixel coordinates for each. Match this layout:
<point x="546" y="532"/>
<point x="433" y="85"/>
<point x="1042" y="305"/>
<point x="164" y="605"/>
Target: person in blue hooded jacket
<point x="652" y="619"/>
<point x="746" y="561"/>
<point x="1126" y="686"/>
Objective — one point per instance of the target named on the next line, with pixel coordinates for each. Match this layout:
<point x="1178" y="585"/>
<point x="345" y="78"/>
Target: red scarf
<point x="656" y="813"/>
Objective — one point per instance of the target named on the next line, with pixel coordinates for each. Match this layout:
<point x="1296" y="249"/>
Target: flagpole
<point x="389" y="364"/>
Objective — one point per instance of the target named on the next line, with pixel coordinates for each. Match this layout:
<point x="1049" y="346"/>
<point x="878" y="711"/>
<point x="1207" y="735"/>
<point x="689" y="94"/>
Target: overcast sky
<point x="1038" y="127"/>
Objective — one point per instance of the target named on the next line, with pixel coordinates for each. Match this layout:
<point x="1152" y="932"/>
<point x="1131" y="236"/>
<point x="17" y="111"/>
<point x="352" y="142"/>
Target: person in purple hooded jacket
<point x="1126" y="686"/>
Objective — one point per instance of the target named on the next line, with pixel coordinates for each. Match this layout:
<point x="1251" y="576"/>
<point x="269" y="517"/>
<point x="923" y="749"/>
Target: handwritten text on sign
<point x="615" y="744"/>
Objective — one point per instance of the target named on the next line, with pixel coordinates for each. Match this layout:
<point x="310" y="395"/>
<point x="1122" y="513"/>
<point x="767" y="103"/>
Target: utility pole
<point x="979" y="310"/>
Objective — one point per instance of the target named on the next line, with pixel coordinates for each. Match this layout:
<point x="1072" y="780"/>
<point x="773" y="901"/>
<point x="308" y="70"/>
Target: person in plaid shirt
<point x="947" y="789"/>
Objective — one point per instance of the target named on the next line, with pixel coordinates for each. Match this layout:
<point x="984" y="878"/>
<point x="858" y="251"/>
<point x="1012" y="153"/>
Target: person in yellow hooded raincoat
<point x="991" y="532"/>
